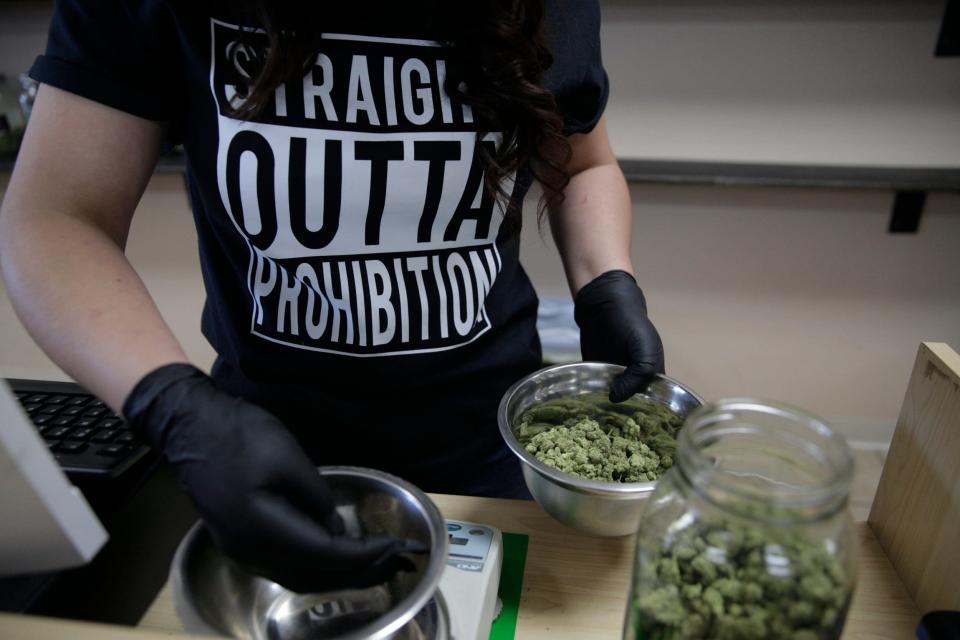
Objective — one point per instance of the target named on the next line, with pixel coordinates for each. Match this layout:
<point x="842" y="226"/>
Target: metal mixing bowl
<point x="213" y="595"/>
<point x="591" y="506"/>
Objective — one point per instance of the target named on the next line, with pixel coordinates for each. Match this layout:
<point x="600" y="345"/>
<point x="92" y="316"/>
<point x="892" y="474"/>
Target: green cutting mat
<point x="511" y="584"/>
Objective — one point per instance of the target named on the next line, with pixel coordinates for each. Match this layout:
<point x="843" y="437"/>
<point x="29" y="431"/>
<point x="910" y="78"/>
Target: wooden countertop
<point x="574" y="586"/>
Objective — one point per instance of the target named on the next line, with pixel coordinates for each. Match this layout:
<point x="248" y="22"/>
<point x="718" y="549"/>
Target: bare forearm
<point x="592" y="230"/>
<point x="592" y="225"/>
<point x="80" y="172"/>
<point x="82" y="302"/>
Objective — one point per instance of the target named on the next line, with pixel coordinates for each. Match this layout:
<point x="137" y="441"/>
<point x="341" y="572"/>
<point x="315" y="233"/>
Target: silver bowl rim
<point x="403" y="611"/>
<point x="621" y="490"/>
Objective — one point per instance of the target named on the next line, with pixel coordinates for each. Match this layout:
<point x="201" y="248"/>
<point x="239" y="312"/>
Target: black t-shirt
<point x="347" y="245"/>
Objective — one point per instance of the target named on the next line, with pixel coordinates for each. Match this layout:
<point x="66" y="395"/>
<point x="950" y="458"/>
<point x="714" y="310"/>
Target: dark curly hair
<point x="500" y="56"/>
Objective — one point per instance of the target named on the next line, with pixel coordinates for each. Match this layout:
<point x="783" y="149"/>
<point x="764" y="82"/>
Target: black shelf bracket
<point x="907" y="210"/>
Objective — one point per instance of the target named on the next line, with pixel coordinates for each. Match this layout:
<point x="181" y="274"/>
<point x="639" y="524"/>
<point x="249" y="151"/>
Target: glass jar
<point x="748" y="535"/>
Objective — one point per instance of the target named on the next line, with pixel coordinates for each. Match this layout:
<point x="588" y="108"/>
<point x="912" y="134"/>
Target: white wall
<point x="794" y="295"/>
<point x="814" y="81"/>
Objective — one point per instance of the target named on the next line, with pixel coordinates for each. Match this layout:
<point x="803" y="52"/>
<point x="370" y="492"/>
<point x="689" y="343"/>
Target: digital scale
<point x="470" y="582"/>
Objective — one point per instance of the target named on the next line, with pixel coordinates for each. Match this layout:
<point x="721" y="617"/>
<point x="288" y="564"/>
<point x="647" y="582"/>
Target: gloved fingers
<point x="634" y="378"/>
<point x="305" y="486"/>
<point x="383" y="557"/>
<point x="654" y="359"/>
<point x="383" y="571"/>
<point x="362" y="578"/>
<point x="289" y="547"/>
<point x="376" y="549"/>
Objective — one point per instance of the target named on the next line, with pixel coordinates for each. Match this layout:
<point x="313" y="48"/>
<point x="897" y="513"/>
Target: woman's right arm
<point x="63" y="227"/>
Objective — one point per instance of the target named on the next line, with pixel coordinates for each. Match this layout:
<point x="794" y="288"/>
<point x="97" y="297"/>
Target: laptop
<point x="47" y="524"/>
<point x="87" y="439"/>
<point x="91" y="518"/>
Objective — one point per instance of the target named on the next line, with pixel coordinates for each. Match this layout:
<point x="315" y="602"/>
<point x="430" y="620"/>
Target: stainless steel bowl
<point x="593" y="507"/>
<point x="213" y="595"/>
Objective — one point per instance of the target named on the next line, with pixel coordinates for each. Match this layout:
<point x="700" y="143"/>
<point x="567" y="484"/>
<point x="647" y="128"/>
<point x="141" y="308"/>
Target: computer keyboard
<point x="85" y="436"/>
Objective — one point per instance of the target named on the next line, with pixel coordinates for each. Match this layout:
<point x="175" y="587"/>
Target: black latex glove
<point x="612" y="315"/>
<point x="259" y="494"/>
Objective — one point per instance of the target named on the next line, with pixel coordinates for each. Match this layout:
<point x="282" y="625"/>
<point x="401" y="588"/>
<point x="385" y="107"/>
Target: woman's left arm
<point x="592" y="225"/>
<point x="592" y="229"/>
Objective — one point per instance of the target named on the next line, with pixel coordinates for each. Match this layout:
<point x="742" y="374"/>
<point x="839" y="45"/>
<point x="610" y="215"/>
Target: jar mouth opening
<point x="752" y="452"/>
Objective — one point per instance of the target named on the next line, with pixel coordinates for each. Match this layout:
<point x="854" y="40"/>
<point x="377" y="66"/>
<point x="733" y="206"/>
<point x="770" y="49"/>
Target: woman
<point x="356" y="177"/>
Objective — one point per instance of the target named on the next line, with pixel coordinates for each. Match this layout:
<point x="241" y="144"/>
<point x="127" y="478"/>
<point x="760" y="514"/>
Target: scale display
<point x="469" y="584"/>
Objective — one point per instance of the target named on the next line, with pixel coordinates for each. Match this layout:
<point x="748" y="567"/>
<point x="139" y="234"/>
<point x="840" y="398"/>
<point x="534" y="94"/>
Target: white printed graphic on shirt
<point x="361" y="199"/>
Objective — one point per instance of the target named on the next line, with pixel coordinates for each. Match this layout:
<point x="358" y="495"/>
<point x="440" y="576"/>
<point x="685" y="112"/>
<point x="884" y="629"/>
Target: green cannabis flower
<point x="733" y="582"/>
<point x="589" y="436"/>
